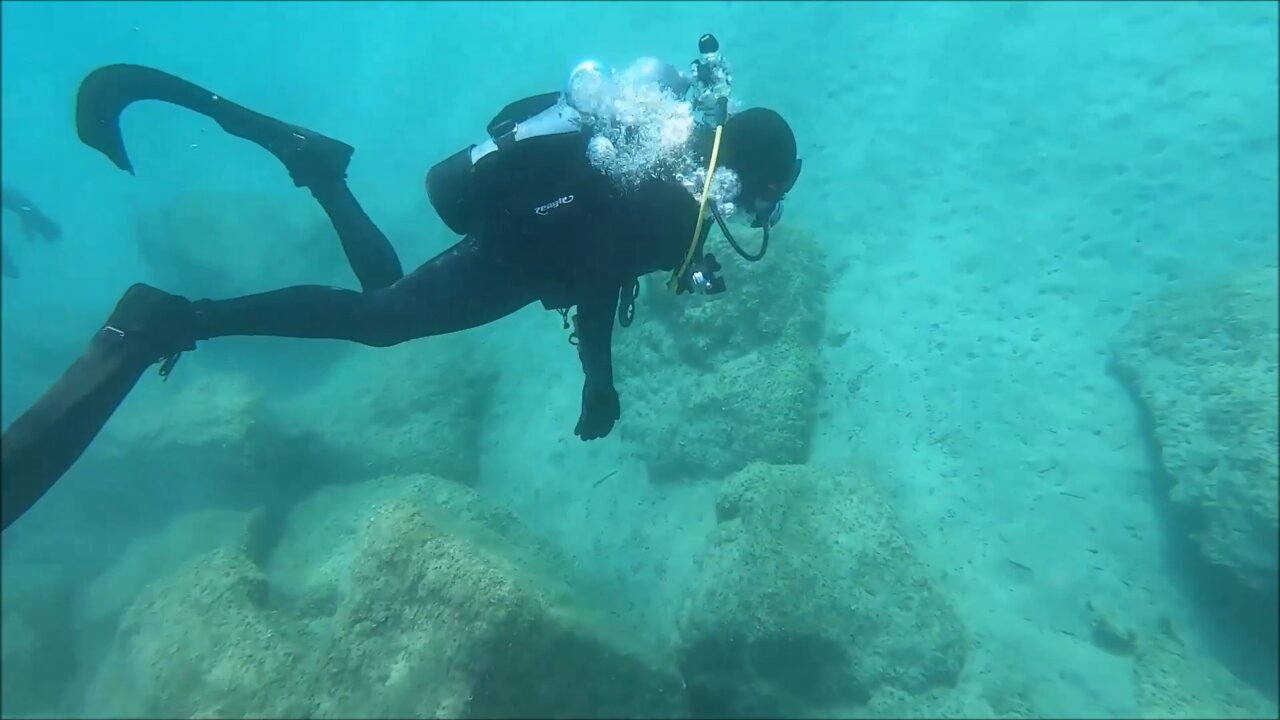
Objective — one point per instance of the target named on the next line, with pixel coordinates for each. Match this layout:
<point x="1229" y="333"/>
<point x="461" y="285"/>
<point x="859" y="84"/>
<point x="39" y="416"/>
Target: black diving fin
<point x="146" y="326"/>
<point x="104" y="94"/>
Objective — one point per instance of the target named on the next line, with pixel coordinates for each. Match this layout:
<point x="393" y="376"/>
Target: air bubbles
<point x="601" y="151"/>
<point x="589" y="88"/>
<point x="642" y="129"/>
<point x="725" y="187"/>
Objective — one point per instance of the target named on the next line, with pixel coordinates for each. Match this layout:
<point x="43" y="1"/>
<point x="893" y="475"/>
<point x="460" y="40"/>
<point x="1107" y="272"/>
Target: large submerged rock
<point x="418" y="407"/>
<point x="1172" y="680"/>
<point x="1202" y="361"/>
<point x="810" y="600"/>
<point x="153" y="557"/>
<point x="422" y="601"/>
<point x="204" y="642"/>
<point x="206" y="439"/>
<point x="37" y="645"/>
<point x="440" y="627"/>
<point x="710" y="384"/>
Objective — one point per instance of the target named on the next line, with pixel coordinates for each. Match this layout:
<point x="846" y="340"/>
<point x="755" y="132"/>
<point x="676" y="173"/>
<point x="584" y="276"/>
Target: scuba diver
<point x="569" y="200"/>
<point x="34" y="223"/>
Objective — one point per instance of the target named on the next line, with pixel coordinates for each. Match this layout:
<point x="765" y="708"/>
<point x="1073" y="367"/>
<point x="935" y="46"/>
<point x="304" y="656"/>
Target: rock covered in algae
<point x="809" y="598"/>
<point x="710" y="384"/>
<point x="205" y="642"/>
<point x="1202" y="361"/>
<point x="207" y="439"/>
<point x="37" y="645"/>
<point x="418" y="407"/>
<point x="435" y="604"/>
<point x="1172" y="680"/>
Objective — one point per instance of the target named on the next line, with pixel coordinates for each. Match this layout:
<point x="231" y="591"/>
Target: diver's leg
<point x="106" y="92"/>
<point x="49" y="437"/>
<point x="370" y="254"/>
<point x="314" y="161"/>
<point x="464" y="287"/>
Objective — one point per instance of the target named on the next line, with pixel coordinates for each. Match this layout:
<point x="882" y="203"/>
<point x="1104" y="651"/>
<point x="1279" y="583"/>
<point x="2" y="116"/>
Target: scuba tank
<point x="540" y="146"/>
<point x="462" y="186"/>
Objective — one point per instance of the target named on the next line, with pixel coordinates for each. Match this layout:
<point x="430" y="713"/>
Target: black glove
<point x="600" y="410"/>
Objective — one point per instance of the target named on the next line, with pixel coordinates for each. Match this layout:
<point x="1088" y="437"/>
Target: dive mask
<point x="768" y="214"/>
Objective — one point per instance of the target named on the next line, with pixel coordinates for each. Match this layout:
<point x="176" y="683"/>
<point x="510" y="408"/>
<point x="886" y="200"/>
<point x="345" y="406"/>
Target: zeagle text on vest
<point x="546" y="209"/>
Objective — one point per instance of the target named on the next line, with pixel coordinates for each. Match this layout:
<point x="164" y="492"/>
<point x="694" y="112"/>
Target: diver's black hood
<point x="759" y="146"/>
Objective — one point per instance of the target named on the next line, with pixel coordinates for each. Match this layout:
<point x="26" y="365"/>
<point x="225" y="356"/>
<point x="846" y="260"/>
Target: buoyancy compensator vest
<point x="535" y="145"/>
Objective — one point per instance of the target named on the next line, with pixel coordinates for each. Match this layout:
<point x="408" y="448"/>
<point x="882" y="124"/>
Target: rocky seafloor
<point x="333" y="553"/>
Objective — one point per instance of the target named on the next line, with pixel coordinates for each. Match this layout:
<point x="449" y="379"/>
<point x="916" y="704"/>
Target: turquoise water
<point x="990" y="432"/>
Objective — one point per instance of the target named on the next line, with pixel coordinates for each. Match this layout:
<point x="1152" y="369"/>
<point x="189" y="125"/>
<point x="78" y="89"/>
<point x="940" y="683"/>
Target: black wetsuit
<point x="560" y="233"/>
<point x="545" y="226"/>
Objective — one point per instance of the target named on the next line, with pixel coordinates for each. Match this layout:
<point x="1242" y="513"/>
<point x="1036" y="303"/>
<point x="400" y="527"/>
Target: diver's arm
<point x="14" y="199"/>
<point x="33" y="221"/>
<point x="7" y="266"/>
<point x="600" y="406"/>
<point x="595" y="335"/>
